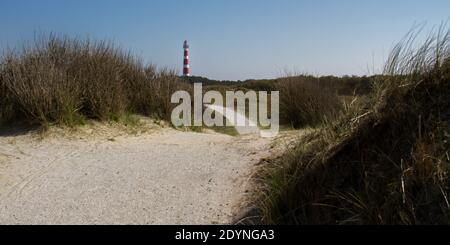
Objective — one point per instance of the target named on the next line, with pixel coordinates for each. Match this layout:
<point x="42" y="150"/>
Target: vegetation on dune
<point x="304" y="101"/>
<point x="63" y="81"/>
<point x="384" y="161"/>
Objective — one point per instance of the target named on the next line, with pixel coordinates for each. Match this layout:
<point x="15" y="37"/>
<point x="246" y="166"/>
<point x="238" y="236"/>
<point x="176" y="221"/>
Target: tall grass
<point x="304" y="101"/>
<point x="64" y="80"/>
<point x="384" y="161"/>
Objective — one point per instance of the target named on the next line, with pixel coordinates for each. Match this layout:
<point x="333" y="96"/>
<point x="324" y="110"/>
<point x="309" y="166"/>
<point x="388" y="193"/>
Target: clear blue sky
<point x="233" y="39"/>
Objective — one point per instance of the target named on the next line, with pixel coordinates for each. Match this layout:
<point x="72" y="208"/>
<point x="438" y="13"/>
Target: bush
<point x="63" y="80"/>
<point x="305" y="102"/>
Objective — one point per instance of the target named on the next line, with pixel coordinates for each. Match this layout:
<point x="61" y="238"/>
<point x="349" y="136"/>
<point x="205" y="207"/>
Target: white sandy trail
<point x="242" y="124"/>
<point x="169" y="177"/>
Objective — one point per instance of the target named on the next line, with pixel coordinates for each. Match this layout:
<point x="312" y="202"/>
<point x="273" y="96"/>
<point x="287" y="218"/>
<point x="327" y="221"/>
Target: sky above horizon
<point x="233" y="39"/>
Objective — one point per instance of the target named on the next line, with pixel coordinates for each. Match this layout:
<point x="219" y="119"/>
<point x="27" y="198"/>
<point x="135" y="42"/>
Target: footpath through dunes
<point x="162" y="176"/>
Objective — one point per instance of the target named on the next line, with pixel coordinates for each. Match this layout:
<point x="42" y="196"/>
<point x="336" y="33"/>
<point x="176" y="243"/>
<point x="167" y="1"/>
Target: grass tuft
<point x="60" y="80"/>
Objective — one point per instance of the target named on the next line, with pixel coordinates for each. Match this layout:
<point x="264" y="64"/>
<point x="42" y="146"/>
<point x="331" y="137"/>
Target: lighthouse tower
<point x="186" y="68"/>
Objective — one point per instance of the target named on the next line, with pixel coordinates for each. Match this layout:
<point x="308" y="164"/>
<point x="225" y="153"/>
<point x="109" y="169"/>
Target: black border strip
<point x="137" y="234"/>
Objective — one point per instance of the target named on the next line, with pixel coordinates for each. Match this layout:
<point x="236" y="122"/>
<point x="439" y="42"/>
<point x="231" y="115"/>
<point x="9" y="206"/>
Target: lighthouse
<point x="186" y="68"/>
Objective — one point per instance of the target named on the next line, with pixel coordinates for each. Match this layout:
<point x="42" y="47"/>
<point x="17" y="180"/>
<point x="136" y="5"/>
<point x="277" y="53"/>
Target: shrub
<point x="305" y="102"/>
<point x="64" y="80"/>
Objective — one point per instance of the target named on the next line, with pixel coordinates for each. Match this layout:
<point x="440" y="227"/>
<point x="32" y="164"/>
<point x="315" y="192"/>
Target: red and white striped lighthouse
<point x="186" y="68"/>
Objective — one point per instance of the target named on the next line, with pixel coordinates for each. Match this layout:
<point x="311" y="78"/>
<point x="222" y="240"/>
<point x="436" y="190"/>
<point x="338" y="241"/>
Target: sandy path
<point x="164" y="177"/>
<point x="243" y="125"/>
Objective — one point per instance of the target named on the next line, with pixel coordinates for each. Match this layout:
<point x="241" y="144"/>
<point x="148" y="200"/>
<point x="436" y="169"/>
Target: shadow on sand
<point x="16" y="130"/>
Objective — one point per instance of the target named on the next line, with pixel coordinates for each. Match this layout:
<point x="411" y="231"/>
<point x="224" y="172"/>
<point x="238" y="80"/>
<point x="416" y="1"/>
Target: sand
<point x="106" y="176"/>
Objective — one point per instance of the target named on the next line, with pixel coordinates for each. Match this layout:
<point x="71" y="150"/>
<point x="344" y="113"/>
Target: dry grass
<point x="304" y="101"/>
<point x="384" y="161"/>
<point x="64" y="81"/>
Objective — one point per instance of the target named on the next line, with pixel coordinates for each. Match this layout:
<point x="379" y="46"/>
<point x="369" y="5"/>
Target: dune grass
<point x="304" y="101"/>
<point x="385" y="160"/>
<point x="60" y="80"/>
